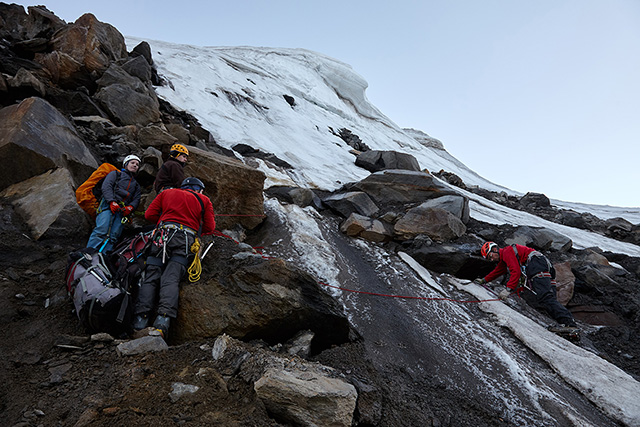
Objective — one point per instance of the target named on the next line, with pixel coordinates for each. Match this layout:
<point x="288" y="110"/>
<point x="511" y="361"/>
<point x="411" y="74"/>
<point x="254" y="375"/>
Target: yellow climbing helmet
<point x="177" y="149"/>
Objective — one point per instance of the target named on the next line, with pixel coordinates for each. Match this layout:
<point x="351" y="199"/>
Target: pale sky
<point x="537" y="96"/>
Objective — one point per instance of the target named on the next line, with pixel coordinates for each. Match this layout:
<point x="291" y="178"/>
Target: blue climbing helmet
<point x="192" y="183"/>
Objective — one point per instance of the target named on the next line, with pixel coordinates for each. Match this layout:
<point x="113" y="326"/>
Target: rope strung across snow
<point x="255" y="249"/>
<point x="408" y="297"/>
<point x="261" y="215"/>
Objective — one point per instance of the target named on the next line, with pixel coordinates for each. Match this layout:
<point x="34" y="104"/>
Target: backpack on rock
<point x="88" y="195"/>
<point x="101" y="302"/>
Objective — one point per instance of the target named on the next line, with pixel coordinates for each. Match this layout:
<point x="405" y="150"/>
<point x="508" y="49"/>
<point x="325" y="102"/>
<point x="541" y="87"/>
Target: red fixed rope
<point x="217" y="233"/>
<point x="408" y="297"/>
<point x="261" y="215"/>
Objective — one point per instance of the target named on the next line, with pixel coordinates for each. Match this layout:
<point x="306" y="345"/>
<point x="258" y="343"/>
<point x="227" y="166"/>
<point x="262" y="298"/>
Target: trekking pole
<point x="113" y="217"/>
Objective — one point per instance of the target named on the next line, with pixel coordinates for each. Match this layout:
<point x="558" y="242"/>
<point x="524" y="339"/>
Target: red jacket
<point x="509" y="262"/>
<point x="180" y="206"/>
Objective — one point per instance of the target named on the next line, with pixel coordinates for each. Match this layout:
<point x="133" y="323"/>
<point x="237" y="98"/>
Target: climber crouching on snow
<point x="182" y="215"/>
<point x="532" y="271"/>
<point x="120" y="197"/>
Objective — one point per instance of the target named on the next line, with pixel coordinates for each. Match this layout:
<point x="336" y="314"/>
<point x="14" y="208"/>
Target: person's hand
<point x="504" y="294"/>
<point x="127" y="210"/>
<point x="480" y="281"/>
<point x="114" y="207"/>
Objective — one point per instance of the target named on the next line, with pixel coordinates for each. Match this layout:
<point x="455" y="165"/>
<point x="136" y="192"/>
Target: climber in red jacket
<point x="182" y="215"/>
<point x="531" y="272"/>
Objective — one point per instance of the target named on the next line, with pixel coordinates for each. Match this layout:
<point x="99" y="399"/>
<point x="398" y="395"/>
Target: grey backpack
<point x="101" y="304"/>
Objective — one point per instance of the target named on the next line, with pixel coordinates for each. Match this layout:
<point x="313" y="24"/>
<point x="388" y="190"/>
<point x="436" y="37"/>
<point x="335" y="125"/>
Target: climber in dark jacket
<point x="536" y="278"/>
<point x="182" y="215"/>
<point x="120" y="197"/>
<point x="171" y="173"/>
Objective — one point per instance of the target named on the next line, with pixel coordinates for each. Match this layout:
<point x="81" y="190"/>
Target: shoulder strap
<point x="515" y="250"/>
<point x="201" y="211"/>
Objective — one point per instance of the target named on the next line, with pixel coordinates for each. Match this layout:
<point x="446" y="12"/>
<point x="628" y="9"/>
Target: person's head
<point x="193" y="184"/>
<point x="490" y="251"/>
<point x="131" y="163"/>
<point x="179" y="152"/>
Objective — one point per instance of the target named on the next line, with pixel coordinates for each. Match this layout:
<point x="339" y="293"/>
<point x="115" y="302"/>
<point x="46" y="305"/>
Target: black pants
<point x="163" y="282"/>
<point x="544" y="293"/>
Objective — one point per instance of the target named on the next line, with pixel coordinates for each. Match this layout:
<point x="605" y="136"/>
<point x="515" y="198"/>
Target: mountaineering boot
<point x="141" y="321"/>
<point x="161" y="325"/>
<point x="571" y="332"/>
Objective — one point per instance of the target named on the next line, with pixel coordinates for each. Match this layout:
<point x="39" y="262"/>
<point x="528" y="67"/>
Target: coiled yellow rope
<point x="195" y="269"/>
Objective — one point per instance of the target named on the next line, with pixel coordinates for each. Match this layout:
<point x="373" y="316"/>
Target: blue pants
<point x="108" y="228"/>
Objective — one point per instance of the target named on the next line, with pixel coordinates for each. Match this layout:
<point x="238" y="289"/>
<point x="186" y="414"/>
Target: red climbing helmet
<point x="487" y="248"/>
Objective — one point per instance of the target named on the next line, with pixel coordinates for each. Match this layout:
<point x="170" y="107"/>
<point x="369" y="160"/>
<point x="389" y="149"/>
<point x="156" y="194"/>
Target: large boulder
<point x="234" y="188"/>
<point x="439" y="224"/>
<point x="294" y="391"/>
<point x="400" y="186"/>
<point x="18" y="25"/>
<point x="138" y="67"/>
<point x="540" y="238"/>
<point x="140" y="109"/>
<point x="64" y="70"/>
<point x="302" y="197"/>
<point x="142" y="49"/>
<point x="74" y="103"/>
<point x="267" y="299"/>
<point x="457" y="205"/>
<point x="376" y="160"/>
<point x="142" y="106"/>
<point x="367" y="228"/>
<point x="34" y="138"/>
<point x="155" y="136"/>
<point x="92" y="43"/>
<point x="535" y="200"/>
<point x="306" y="397"/>
<point x="26" y="82"/>
<point x="47" y="203"/>
<point x="352" y="202"/>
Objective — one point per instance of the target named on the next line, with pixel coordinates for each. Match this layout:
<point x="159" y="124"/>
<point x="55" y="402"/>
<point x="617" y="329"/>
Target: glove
<point x="114" y="207"/>
<point x="504" y="294"/>
<point x="479" y="281"/>
<point x="127" y="210"/>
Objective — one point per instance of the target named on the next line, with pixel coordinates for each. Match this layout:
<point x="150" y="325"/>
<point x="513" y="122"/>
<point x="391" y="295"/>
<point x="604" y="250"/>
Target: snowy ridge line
<point x="485" y="210"/>
<point x="608" y="387"/>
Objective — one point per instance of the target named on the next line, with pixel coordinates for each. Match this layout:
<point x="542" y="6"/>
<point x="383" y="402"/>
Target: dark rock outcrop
<point x="234" y="188"/>
<point x="284" y="300"/>
<point x="376" y="160"/>
<point x="35" y="137"/>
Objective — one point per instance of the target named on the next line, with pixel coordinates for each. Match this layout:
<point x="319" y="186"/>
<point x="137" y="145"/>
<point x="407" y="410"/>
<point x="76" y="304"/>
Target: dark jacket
<point x="170" y="175"/>
<point x="182" y="207"/>
<point x="121" y="186"/>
